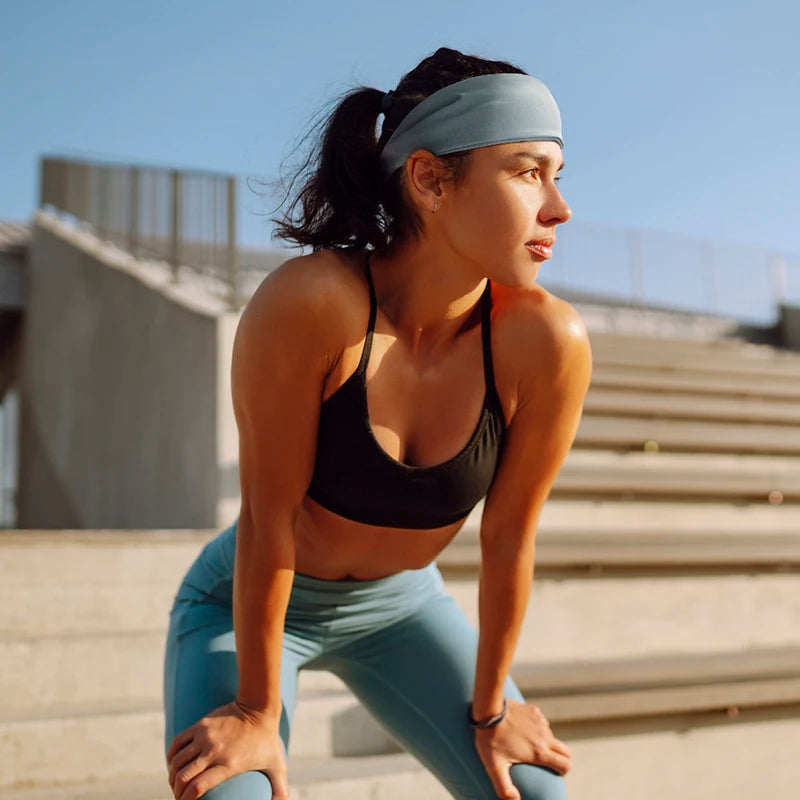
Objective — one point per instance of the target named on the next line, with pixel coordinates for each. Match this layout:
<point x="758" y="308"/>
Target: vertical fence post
<point x="712" y="298"/>
<point x="102" y="201"/>
<point x="777" y="267"/>
<point x="637" y="279"/>
<point x="233" y="255"/>
<point x="133" y="217"/>
<point x="44" y="175"/>
<point x="175" y="222"/>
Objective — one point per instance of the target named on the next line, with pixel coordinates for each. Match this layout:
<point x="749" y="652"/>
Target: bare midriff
<point x="331" y="547"/>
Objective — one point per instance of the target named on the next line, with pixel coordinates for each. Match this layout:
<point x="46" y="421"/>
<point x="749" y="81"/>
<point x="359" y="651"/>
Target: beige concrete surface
<point x="716" y="757"/>
<point x="603" y="430"/>
<point x="629" y="401"/>
<point x="746" y="360"/>
<point x="641" y="376"/>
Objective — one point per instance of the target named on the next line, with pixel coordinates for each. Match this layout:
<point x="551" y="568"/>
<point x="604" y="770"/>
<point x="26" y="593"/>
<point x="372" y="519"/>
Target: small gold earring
<point x="435" y="206"/>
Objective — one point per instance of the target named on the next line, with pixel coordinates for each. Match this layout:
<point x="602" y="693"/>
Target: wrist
<point x="488" y="705"/>
<point x="487" y="722"/>
<point x="263" y="716"/>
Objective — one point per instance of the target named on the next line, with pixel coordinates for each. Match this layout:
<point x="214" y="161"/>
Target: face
<point x="506" y="200"/>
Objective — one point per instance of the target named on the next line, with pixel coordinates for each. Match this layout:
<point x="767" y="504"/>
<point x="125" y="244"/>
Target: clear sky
<point x="681" y="116"/>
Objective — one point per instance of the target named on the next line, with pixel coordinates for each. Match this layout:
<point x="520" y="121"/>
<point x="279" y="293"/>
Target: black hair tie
<point x="386" y="102"/>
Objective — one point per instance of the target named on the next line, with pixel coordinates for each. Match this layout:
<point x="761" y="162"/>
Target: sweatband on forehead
<point x="476" y="112"/>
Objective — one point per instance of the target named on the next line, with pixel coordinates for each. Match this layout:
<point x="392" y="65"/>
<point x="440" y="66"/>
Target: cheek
<point x="494" y="220"/>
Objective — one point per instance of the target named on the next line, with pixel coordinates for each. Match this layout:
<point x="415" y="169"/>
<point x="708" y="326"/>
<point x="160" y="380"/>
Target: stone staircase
<point x="662" y="639"/>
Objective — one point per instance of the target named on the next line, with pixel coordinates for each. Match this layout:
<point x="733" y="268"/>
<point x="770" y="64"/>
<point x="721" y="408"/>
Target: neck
<point x="427" y="295"/>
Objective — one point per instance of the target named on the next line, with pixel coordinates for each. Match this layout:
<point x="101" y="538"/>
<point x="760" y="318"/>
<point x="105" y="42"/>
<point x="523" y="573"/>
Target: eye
<point x="534" y="172"/>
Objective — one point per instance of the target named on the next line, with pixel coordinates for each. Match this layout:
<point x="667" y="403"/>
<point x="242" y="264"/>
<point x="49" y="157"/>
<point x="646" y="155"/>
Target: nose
<point x="555" y="209"/>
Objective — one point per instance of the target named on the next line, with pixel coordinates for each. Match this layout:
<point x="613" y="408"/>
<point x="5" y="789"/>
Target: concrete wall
<point x="790" y="326"/>
<point x="126" y="418"/>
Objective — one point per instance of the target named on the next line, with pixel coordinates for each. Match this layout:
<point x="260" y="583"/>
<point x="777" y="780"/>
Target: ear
<point x="426" y="180"/>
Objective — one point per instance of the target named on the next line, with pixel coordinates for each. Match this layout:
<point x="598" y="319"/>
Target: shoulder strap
<point x="488" y="365"/>
<point x="373" y="312"/>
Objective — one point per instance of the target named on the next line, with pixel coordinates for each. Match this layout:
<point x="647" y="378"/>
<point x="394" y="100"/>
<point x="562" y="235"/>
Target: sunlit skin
<point x="425" y="390"/>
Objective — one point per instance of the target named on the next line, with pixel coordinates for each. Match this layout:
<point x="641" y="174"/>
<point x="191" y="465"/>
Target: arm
<point x="278" y="368"/>
<point x="550" y="402"/>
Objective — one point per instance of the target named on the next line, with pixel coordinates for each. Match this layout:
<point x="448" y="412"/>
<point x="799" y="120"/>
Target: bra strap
<point x="373" y="312"/>
<point x="488" y="366"/>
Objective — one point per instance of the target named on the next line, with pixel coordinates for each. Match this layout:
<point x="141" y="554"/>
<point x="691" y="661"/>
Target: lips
<point x="542" y="248"/>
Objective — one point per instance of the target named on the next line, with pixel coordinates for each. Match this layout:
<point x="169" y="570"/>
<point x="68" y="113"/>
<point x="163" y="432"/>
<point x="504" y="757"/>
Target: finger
<point x="560" y="747"/>
<point x="501" y="780"/>
<point x="181" y="740"/>
<point x="185" y="776"/>
<point x="181" y="759"/>
<point x="204" y="782"/>
<point x="556" y="761"/>
<point x="280" y="783"/>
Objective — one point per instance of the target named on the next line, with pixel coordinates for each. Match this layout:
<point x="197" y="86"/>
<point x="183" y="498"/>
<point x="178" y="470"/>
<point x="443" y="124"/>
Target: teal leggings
<point x="400" y="643"/>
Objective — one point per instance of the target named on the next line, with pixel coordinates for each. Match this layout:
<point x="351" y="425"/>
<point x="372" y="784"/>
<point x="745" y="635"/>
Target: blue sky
<point x="679" y="116"/>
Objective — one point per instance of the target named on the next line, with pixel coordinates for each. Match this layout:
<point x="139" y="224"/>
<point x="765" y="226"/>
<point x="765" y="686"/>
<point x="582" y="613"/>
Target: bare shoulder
<point x="323" y="283"/>
<point x="319" y="296"/>
<point x="540" y="338"/>
<point x="534" y="318"/>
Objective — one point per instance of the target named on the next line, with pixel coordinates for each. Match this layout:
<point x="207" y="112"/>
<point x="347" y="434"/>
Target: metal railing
<point x="177" y="216"/>
<point x="675" y="271"/>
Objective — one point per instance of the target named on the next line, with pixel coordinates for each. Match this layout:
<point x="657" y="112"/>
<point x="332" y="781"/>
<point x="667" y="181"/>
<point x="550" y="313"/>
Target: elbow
<point x="511" y="544"/>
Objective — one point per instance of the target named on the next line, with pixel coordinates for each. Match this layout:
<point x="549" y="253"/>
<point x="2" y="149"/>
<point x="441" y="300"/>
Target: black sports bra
<point x="356" y="478"/>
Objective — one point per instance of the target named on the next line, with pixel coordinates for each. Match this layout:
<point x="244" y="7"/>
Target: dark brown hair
<point x="344" y="201"/>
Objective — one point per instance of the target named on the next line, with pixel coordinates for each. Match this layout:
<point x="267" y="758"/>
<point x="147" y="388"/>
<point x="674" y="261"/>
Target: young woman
<point x="383" y="384"/>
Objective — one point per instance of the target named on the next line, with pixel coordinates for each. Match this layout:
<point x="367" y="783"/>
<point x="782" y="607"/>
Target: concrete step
<point x="661" y="379"/>
<point x="718" y="591"/>
<point x="147" y="561"/>
<point x="386" y="777"/>
<point x="679" y="405"/>
<point x="706" y="475"/>
<point x="747" y="360"/>
<point x="720" y="345"/>
<point x="89" y="558"/>
<point x="666" y="683"/>
<point x="97" y="591"/>
<point x="632" y="432"/>
<point x="589" y="702"/>
<point x="81" y="742"/>
<point x="707" y="748"/>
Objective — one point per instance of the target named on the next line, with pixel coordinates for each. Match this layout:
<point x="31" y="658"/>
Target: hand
<point x="523" y="737"/>
<point x="226" y="742"/>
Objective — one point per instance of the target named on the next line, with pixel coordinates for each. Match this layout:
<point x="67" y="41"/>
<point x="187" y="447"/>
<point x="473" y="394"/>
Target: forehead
<point x="547" y="154"/>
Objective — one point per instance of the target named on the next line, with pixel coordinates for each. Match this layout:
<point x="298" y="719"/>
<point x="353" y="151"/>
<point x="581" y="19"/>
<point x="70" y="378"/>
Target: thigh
<point x="200" y="674"/>
<point x="416" y="677"/>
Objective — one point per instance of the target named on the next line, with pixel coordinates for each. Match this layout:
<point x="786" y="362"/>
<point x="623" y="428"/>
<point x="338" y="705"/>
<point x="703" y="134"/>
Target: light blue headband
<point x="476" y="112"/>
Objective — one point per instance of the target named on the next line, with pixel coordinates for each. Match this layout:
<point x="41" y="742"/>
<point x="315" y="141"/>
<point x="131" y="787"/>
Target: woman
<point x="360" y="455"/>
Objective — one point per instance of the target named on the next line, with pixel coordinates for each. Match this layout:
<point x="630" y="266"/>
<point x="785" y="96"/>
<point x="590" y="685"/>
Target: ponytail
<point x="338" y="204"/>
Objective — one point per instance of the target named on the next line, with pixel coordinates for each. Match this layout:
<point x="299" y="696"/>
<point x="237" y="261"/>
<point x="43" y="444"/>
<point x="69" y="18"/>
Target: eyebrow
<point x="541" y="158"/>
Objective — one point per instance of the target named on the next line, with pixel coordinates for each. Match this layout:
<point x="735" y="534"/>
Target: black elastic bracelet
<point x="489" y="722"/>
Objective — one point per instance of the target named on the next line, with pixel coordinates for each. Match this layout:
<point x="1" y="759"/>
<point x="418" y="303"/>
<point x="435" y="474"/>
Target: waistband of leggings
<point x="355" y="590"/>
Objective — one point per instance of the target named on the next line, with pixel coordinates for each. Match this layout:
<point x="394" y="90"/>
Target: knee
<point x="538" y="783"/>
<point x="246" y="786"/>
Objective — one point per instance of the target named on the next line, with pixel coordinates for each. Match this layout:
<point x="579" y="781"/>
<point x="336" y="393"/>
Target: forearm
<point x="263" y="576"/>
<point x="503" y="593"/>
